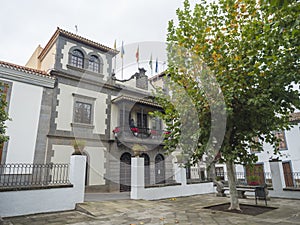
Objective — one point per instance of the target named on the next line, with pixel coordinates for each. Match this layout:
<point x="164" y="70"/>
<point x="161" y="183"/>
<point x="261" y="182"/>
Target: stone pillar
<point x="77" y="176"/>
<point x="278" y="182"/>
<point x="137" y="177"/>
<point x="180" y="174"/>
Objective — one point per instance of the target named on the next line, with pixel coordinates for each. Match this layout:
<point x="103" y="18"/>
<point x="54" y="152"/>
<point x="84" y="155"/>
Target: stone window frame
<point x="8" y="97"/>
<point x="73" y="57"/>
<point x="86" y="58"/>
<point x="93" y="64"/>
<point x="87" y="100"/>
<point x="101" y="64"/>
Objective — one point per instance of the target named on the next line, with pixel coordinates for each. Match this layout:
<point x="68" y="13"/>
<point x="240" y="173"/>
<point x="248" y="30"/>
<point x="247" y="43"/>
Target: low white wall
<point x="284" y="194"/>
<point x="16" y="203"/>
<point x="176" y="191"/>
<point x="138" y="191"/>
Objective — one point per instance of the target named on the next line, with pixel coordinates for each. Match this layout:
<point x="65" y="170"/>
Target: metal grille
<point x="18" y="175"/>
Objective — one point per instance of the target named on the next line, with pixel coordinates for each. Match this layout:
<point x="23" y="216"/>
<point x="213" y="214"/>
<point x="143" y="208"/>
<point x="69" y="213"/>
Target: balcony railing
<point x="139" y="132"/>
<point x="19" y="175"/>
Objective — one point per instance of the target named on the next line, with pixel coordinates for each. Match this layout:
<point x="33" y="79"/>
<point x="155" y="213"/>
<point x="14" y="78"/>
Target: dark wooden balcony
<point x="141" y="135"/>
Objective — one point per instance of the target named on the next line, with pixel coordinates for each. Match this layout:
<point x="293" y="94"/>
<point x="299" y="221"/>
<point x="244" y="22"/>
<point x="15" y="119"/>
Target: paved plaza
<point x="184" y="210"/>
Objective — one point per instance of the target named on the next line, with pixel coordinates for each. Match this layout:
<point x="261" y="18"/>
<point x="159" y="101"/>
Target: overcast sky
<point x="26" y="24"/>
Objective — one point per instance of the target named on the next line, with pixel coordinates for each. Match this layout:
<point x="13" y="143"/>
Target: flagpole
<point x="122" y="70"/>
<point x="115" y="47"/>
<point x="122" y="56"/>
<point x="137" y="56"/>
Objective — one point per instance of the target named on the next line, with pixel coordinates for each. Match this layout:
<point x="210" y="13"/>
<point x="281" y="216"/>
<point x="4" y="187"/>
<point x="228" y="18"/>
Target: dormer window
<point x="94" y="64"/>
<point x="77" y="58"/>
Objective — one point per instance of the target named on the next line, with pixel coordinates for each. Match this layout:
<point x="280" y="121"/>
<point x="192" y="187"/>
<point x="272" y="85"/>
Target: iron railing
<point x="195" y="174"/>
<point x="18" y="175"/>
<point x="292" y="179"/>
<point x="251" y="179"/>
<point x="139" y="132"/>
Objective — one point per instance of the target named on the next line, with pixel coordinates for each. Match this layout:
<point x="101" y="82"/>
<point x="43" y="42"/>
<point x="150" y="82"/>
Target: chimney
<point x="142" y="79"/>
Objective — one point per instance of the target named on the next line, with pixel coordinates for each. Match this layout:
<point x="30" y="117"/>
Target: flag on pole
<point x="122" y="50"/>
<point x="156" y="66"/>
<point x="115" y="44"/>
<point x="137" y="54"/>
<point x="150" y="61"/>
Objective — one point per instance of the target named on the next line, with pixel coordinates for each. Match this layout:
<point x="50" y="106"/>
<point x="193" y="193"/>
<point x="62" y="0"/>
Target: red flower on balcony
<point x="116" y="130"/>
<point x="167" y="132"/>
<point x="134" y="129"/>
<point x="153" y="132"/>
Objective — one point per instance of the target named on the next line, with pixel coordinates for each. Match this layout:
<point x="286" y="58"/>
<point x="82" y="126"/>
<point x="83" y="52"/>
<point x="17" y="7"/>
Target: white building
<point x="28" y="95"/>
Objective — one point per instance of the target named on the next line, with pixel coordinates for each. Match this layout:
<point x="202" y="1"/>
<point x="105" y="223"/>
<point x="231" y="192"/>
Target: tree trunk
<point x="234" y="201"/>
<point x="211" y="172"/>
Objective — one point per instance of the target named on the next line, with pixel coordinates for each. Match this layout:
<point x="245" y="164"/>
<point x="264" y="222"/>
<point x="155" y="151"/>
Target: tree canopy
<point x="237" y="61"/>
<point x="3" y="114"/>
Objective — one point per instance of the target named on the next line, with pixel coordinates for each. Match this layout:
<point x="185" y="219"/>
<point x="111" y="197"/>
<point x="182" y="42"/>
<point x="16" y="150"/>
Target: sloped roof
<point x="136" y="100"/>
<point x="25" y="69"/>
<point x="75" y="37"/>
<point x="295" y="117"/>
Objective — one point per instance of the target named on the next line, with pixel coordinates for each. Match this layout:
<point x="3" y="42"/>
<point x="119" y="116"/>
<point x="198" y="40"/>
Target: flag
<point x="122" y="50"/>
<point x="137" y="54"/>
<point x="156" y="66"/>
<point x="115" y="44"/>
<point x="150" y="61"/>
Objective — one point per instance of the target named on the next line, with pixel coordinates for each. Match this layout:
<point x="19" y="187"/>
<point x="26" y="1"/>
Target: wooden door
<point x="288" y="176"/>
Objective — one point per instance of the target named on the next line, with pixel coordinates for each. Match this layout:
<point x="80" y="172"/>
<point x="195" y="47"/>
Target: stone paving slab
<point x="183" y="211"/>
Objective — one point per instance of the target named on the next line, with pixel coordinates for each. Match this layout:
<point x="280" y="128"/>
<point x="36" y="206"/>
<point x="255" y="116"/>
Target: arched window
<point x="94" y="64"/>
<point x="77" y="58"/>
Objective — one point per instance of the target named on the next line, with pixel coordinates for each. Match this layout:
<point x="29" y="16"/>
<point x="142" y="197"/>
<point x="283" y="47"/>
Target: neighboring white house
<point x="28" y="93"/>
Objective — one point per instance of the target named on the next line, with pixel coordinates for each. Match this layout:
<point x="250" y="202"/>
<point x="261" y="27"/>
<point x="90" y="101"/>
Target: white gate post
<point x="77" y="176"/>
<point x="180" y="174"/>
<point x="137" y="178"/>
<point x="278" y="182"/>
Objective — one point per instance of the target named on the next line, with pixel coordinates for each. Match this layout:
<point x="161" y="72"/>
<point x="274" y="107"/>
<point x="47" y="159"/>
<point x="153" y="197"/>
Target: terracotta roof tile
<point x="137" y="100"/>
<point x="76" y="37"/>
<point x="25" y="69"/>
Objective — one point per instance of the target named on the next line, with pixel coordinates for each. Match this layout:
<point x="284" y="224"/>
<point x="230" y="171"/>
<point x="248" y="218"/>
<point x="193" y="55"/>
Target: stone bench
<point x="241" y="191"/>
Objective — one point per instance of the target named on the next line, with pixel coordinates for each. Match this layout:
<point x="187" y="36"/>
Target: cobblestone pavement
<point x="184" y="210"/>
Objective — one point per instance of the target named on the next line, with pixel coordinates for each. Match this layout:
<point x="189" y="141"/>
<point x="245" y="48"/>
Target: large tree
<point x="233" y="71"/>
<point x="3" y="114"/>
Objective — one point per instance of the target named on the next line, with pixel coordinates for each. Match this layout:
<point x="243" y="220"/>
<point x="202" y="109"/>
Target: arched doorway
<point x="159" y="169"/>
<point x="125" y="172"/>
<point x="147" y="168"/>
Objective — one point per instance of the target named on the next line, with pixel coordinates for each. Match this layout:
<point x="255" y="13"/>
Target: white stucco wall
<point x="292" y="153"/>
<point x="96" y="165"/>
<point x="66" y="104"/>
<point x="62" y="153"/>
<point x="96" y="158"/>
<point x="16" y="203"/>
<point x="49" y="60"/>
<point x="138" y="191"/>
<point x="24" y="110"/>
